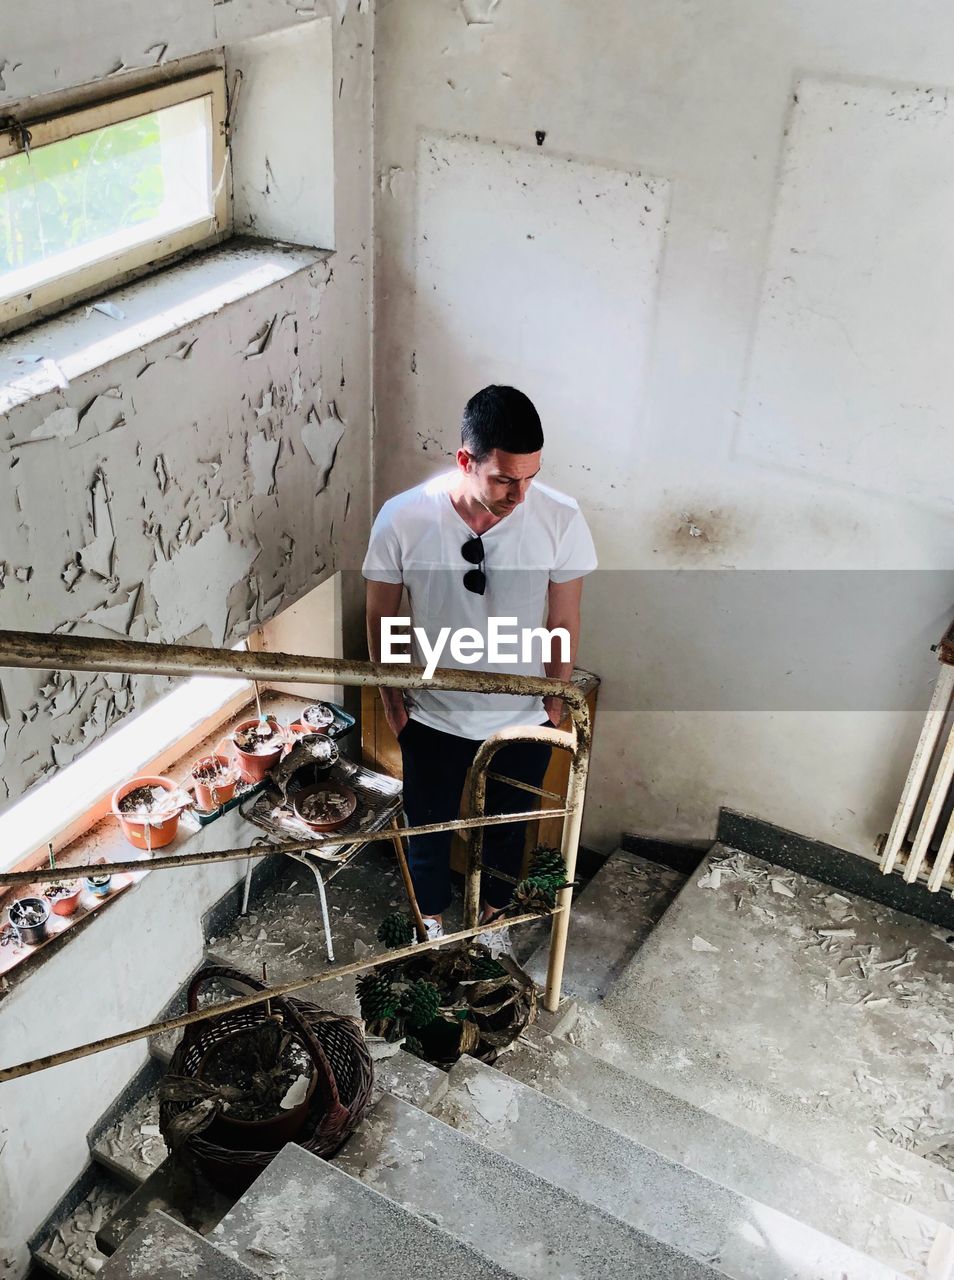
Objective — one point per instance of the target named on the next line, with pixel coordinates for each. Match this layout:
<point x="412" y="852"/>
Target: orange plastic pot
<point x="253" y="765"/>
<point x="212" y="795"/>
<point x="135" y="830"/>
<point x="65" y="904"/>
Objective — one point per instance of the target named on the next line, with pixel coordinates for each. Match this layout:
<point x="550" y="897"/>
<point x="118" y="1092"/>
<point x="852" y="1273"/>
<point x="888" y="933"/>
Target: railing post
<point x="572" y="824"/>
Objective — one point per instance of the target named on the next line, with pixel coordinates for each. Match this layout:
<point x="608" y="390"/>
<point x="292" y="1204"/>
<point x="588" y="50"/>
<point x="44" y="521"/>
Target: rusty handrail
<point x="81" y="653"/>
<point x="244" y="1002"/>
<point x="578" y="746"/>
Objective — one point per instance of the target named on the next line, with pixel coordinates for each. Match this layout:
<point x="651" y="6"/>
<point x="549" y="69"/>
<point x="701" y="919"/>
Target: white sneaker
<point x="435" y="928"/>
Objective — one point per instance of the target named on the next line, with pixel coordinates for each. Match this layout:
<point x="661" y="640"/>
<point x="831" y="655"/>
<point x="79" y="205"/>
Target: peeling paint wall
<point x="763" y="388"/>
<point x="186" y="491"/>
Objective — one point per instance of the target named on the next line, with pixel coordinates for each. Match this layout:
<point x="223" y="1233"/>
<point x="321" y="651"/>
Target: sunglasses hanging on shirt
<point x="473" y="552"/>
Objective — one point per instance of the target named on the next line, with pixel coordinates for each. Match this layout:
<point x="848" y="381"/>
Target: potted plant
<point x="213" y="781"/>
<point x="29" y="916"/>
<point x="64" y="896"/>
<point x="148" y="810"/>
<point x="258" y="745"/>
<point x="325" y="807"/>
<point x="318" y="718"/>
<point x="98" y="885"/>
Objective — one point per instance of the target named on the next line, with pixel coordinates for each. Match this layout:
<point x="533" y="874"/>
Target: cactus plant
<point x="396" y="930"/>
<point x="420" y="1003"/>
<point x="377" y="997"/>
<point x="547" y="864"/>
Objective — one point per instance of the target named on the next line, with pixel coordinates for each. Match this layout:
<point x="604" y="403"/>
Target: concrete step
<point x="611" y="919"/>
<point x="817" y="994"/>
<point x="738" y="1235"/>
<point x="163" y="1249"/>
<point x="69" y="1249"/>
<point x="521" y="1221"/>
<point x="304" y="1219"/>
<point x="132" y="1147"/>
<point x="854" y="1154"/>
<point x="899" y="1236"/>
<point x="176" y="1189"/>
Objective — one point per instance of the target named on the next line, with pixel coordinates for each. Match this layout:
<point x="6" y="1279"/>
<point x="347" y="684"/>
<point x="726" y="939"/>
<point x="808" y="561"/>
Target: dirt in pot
<point x="258" y="739"/>
<point x="327" y="805"/>
<point x="150" y="802"/>
<point x="264" y="1062"/>
<point x="62" y="889"/>
<point x="212" y="774"/>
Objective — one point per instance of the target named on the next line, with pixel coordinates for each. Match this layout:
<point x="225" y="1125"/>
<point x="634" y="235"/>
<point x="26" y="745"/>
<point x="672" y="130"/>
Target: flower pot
<point x="29" y="916"/>
<point x="318" y="718"/>
<point x="213" y="781"/>
<point x="64" y="897"/>
<point x="98" y="885"/>
<point x="137" y="829"/>
<point x="253" y="765"/>
<point x="329" y="816"/>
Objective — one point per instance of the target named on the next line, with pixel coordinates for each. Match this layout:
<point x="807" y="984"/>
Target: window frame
<point x="51" y="127"/>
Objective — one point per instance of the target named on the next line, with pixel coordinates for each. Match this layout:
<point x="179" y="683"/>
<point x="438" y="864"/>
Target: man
<point x="487" y="540"/>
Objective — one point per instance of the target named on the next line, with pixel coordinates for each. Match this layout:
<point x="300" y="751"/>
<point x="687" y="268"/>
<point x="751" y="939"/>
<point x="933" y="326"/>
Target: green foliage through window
<point x="69" y="193"/>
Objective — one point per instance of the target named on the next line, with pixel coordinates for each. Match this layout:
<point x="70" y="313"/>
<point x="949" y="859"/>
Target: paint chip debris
<point x="700" y="944"/>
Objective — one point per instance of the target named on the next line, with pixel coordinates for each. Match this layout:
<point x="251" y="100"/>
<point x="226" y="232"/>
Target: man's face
<point x="501" y="481"/>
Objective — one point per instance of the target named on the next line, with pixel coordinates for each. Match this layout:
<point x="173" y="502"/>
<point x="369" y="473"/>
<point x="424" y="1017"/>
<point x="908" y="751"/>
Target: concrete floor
<point x="846" y="1005"/>
<point x="284" y="930"/>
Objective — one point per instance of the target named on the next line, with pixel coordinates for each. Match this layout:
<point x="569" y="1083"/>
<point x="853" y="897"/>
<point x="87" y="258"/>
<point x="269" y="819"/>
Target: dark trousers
<point x="435" y="767"/>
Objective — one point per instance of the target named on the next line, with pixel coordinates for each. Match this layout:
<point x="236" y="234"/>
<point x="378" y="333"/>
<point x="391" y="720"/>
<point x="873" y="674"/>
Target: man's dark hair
<point x="500" y="418"/>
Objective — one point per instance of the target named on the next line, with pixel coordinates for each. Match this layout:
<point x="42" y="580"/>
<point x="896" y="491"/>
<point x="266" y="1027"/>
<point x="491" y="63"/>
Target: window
<point x="109" y="190"/>
<point x="84" y="787"/>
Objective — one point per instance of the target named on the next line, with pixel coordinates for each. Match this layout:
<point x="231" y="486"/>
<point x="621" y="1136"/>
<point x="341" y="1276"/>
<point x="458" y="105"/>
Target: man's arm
<point x="563" y="610"/>
<point x="384" y="601"/>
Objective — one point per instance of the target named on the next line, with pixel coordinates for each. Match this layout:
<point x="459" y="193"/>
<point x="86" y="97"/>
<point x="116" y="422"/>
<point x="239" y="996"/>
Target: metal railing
<point x="78" y="653"/>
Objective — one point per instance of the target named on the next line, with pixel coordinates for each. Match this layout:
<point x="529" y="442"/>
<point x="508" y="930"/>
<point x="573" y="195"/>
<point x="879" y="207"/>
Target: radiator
<point x="924" y="821"/>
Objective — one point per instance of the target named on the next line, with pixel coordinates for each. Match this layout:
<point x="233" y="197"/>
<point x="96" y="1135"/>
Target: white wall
<point x="116" y="974"/>
<point x="747" y="371"/>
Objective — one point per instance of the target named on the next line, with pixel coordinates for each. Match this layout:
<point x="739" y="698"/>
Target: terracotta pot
<point x="212" y="795"/>
<point x="66" y="903"/>
<point x="253" y="765"/>
<point x="321" y="720"/>
<point x="161" y="833"/>
<point x="333" y="824"/>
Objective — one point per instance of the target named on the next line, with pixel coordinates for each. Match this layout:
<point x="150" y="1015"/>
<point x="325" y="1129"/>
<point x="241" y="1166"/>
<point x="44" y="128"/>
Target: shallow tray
<point x="243" y="791"/>
<point x="379" y="799"/>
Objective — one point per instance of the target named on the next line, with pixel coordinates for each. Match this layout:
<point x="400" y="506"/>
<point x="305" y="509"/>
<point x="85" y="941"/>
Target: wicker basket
<point x="343" y="1066"/>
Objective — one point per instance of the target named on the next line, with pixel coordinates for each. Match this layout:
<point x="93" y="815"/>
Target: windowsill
<point x="52" y="352"/>
<point x="104" y="842"/>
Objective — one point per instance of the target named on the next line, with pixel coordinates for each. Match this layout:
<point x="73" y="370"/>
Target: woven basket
<point x="343" y="1067"/>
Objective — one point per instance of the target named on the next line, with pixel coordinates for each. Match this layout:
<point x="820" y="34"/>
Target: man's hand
<point x="563" y="610"/>
<point x="384" y="601"/>
<point x="554" y="709"/>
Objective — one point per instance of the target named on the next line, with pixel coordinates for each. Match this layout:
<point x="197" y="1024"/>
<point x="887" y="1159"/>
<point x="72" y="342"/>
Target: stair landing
<point x="833" y="1000"/>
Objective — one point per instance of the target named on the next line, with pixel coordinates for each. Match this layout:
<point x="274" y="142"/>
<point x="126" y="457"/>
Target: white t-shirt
<point x="417" y="539"/>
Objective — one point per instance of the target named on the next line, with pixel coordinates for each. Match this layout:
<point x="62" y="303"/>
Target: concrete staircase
<point x="751" y="1083"/>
